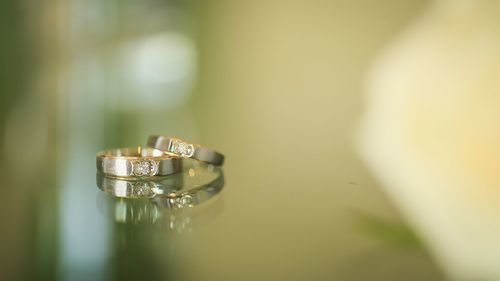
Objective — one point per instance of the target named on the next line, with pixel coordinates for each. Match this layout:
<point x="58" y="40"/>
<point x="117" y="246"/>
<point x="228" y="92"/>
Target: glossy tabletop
<point x="281" y="97"/>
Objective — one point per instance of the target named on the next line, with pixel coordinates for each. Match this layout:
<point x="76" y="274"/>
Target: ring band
<point x="181" y="148"/>
<point x="137" y="162"/>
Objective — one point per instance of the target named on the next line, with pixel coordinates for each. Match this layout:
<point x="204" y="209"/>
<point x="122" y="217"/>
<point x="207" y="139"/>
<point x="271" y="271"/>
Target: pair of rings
<point x="162" y="157"/>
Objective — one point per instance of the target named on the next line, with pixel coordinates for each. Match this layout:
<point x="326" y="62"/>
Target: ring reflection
<point x="163" y="200"/>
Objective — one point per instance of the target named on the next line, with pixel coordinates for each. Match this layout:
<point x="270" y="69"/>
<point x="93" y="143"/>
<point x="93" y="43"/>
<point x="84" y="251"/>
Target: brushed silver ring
<point x="178" y="147"/>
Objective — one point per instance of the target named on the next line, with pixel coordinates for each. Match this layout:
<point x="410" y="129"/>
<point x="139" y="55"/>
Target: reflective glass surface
<point x="277" y="86"/>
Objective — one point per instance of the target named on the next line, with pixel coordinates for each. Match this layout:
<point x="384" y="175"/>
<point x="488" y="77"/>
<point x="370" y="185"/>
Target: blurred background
<point x="360" y="138"/>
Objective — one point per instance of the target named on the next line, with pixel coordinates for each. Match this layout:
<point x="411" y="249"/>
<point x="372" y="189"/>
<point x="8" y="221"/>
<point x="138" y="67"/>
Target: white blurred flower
<point x="431" y="133"/>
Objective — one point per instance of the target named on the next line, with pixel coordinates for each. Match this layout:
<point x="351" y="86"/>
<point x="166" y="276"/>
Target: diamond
<point x="144" y="168"/>
<point x="184" y="149"/>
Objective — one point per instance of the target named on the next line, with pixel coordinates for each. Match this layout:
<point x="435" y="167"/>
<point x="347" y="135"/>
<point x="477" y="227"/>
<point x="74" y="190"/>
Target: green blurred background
<point x="277" y="86"/>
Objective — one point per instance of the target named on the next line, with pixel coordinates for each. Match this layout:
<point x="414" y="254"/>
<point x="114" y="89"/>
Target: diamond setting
<point x="182" y="148"/>
<point x="142" y="168"/>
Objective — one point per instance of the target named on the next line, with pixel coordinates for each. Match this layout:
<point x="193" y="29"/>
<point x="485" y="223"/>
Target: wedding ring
<point x="137" y="162"/>
<point x="181" y="148"/>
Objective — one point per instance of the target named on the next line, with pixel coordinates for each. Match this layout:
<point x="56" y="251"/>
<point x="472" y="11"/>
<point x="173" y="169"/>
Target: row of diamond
<point x="145" y="167"/>
<point x="181" y="148"/>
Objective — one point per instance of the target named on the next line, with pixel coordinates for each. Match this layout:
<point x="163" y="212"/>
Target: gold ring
<point x="137" y="162"/>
